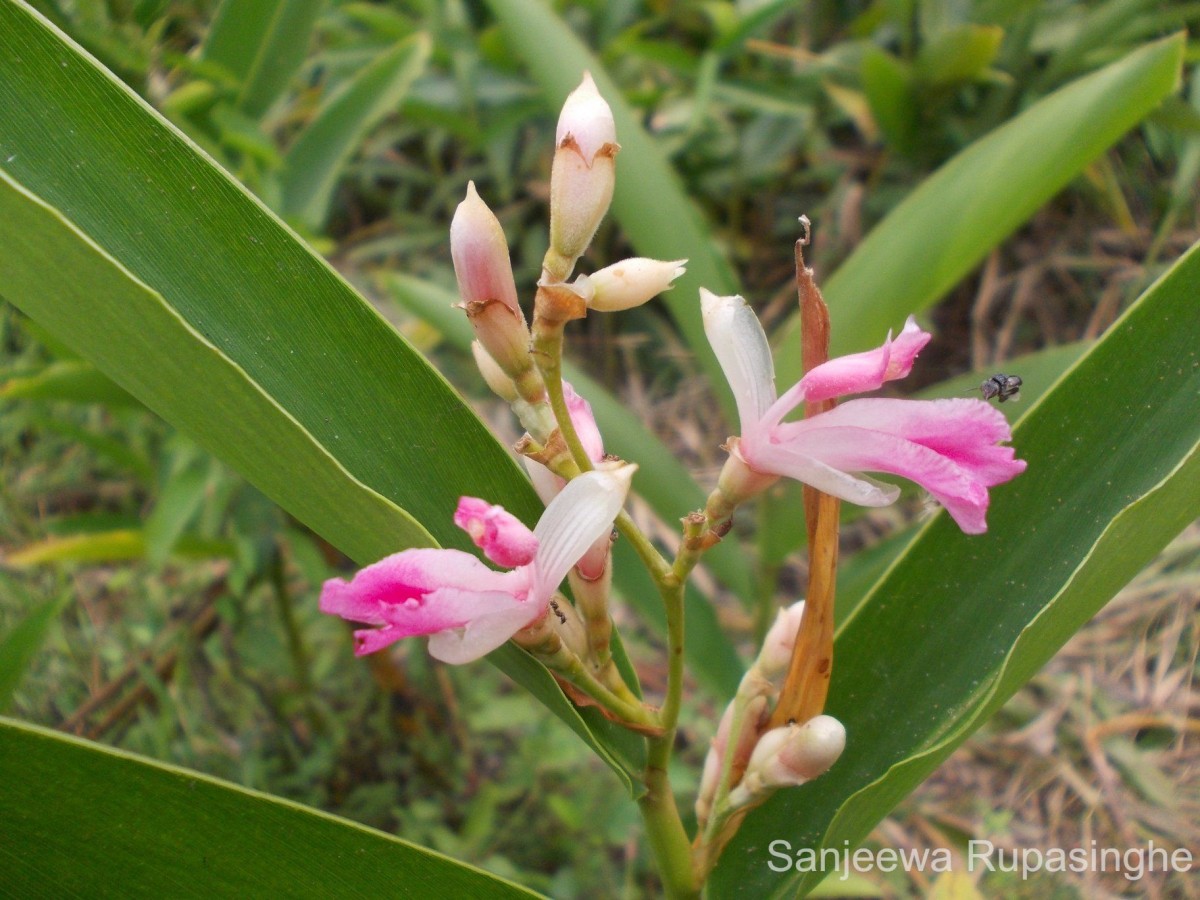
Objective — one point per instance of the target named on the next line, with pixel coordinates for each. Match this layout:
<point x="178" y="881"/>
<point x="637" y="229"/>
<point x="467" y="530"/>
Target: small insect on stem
<point x="558" y="612"/>
<point x="1002" y="387"/>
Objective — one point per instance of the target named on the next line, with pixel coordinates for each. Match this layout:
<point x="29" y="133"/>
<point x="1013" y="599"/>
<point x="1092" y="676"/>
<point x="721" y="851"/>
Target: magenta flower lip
<point x="466" y="608"/>
<point x="952" y="448"/>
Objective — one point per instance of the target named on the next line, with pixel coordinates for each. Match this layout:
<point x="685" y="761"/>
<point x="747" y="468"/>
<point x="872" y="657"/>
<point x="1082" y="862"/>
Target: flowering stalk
<point x="772" y="734"/>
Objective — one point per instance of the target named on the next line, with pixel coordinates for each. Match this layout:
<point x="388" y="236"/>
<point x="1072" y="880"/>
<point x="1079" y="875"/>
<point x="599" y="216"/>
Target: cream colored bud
<point x="582" y="176"/>
<point x="776" y="653"/>
<point x="791" y="755"/>
<point x="587" y="118"/>
<point x="632" y="282"/>
<point x="502" y="386"/>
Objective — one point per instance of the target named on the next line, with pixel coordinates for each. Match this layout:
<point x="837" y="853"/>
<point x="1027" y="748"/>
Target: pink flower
<point x="466" y="608"/>
<point x="952" y="448"/>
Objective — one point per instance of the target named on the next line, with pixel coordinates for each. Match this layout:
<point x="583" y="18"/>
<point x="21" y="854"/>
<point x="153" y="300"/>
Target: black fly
<point x="1002" y="387"/>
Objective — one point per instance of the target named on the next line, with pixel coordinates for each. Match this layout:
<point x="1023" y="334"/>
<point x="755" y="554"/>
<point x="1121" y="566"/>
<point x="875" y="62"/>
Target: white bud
<point x="632" y="282"/>
<point x="776" y="653"/>
<point x="582" y="176"/>
<point x="791" y="755"/>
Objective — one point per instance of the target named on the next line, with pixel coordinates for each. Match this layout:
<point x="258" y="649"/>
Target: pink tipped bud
<point x="501" y="536"/>
<point x="776" y="653"/>
<point x="587" y="118"/>
<point x="632" y="282"/>
<point x="486" y="285"/>
<point x="789" y="756"/>
<point x="582" y="176"/>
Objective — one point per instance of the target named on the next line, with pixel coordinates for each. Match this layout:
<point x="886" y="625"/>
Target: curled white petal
<point x="575" y="519"/>
<point x="741" y="347"/>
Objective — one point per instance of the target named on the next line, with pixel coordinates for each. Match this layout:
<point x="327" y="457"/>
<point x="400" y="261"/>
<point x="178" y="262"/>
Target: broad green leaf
<point x="945" y="227"/>
<point x="53" y="272"/>
<point x="171" y="832"/>
<point x="21" y="642"/>
<point x="192" y="296"/>
<point x="650" y="203"/>
<point x="958" y="623"/>
<point x="262" y="44"/>
<point x="314" y="162"/>
<point x="661" y="481"/>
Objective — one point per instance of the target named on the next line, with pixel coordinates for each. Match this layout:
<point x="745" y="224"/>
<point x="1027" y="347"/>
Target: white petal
<point x="484" y="632"/>
<point x="574" y="520"/>
<point x="779" y="459"/>
<point x="745" y="356"/>
<point x="545" y="482"/>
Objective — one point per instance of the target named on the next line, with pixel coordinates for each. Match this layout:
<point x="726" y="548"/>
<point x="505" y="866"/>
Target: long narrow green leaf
<point x="21" y="642"/>
<point x="1114" y="475"/>
<point x="262" y="44"/>
<point x="941" y="231"/>
<point x="313" y="163"/>
<point x="193" y="297"/>
<point x="53" y="273"/>
<point x="650" y="202"/>
<point x="170" y="832"/>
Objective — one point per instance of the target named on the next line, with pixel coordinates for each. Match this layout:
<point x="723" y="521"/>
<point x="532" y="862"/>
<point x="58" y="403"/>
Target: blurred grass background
<point x="174" y="609"/>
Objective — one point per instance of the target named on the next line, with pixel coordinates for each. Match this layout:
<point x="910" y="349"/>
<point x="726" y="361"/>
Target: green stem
<point x="658" y="567"/>
<point x="664" y="828"/>
<point x="623" y="704"/>
<point x="548" y="346"/>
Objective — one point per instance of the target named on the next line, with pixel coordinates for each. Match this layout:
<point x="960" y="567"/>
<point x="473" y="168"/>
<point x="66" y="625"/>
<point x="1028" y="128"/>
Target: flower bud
<point x="502" y="386"/>
<point x="503" y="538"/>
<point x="582" y="176"/>
<point x="754" y="713"/>
<point x="790" y="755"/>
<point x="486" y="285"/>
<point x="776" y="653"/>
<point x="632" y="282"/>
